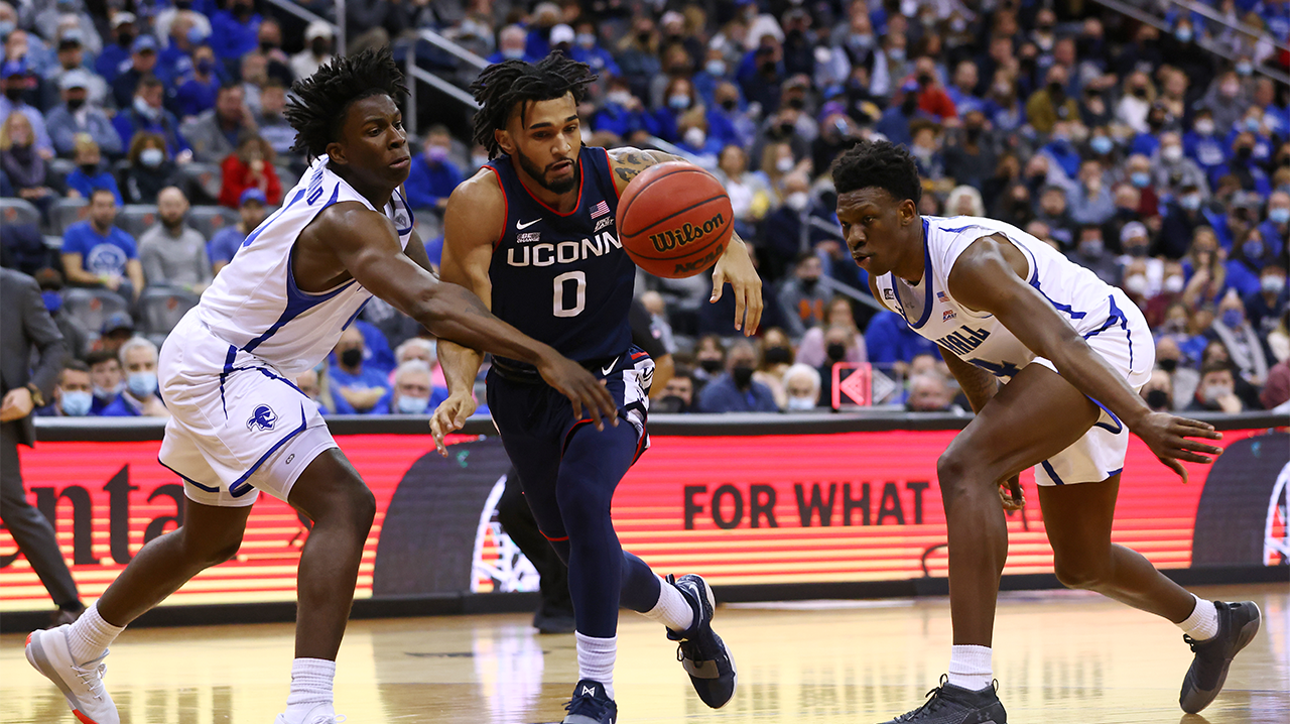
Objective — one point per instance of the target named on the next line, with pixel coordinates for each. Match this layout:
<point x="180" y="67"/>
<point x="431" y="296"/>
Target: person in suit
<point x="23" y="389"/>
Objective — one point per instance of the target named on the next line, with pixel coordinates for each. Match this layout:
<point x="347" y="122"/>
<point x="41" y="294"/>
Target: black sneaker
<point x="590" y="705"/>
<point x="701" y="651"/>
<point x="1237" y="624"/>
<point x="949" y="704"/>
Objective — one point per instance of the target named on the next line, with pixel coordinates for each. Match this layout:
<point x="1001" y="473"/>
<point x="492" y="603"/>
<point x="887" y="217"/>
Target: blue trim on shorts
<point x="188" y="479"/>
<point x="1113" y="473"/>
<point x="232" y="489"/>
<point x="1113" y="429"/>
<point x="1051" y="473"/>
<point x="1117" y="316"/>
<point x="223" y="375"/>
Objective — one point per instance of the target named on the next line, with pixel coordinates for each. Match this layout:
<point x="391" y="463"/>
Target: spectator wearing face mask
<point x="1216" y="390"/>
<point x="802" y="387"/>
<point x="1276" y="229"/>
<point x="143" y="64"/>
<point x="1090" y="252"/>
<point x="76" y="116"/>
<point x="1092" y="202"/>
<point x="197" y="94"/>
<point x="1207" y="273"/>
<point x="678" y="98"/>
<point x="73" y="396"/>
<point x="838" y="339"/>
<point x="1203" y="144"/>
<point x="1245" y="168"/>
<point x="106" y="378"/>
<point x="413" y="392"/>
<point x="1051" y="104"/>
<point x="789" y="230"/>
<point x="1158" y="392"/>
<point x="149" y="170"/>
<point x="360" y="384"/>
<point x="511" y="43"/>
<point x="586" y="49"/>
<point x="678" y="394"/>
<point x="710" y="355"/>
<point x="1264" y="307"/>
<point x="775" y="359"/>
<point x="621" y="114"/>
<point x="145" y="113"/>
<point x="1245" y="263"/>
<point x="930" y="392"/>
<point x="433" y="175"/>
<point x="250" y="167"/>
<point x="1173" y="171"/>
<point x="1183" y="378"/>
<point x="234" y="31"/>
<point x="736" y="391"/>
<point x="839" y="313"/>
<point x="90" y="173"/>
<point x="139" y="398"/>
<point x="1242" y="342"/>
<point x="1182" y="217"/>
<point x="802" y="297"/>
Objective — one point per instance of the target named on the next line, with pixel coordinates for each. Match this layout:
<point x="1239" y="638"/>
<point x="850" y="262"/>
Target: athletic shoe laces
<point x="587" y="706"/>
<point x="92" y="676"/>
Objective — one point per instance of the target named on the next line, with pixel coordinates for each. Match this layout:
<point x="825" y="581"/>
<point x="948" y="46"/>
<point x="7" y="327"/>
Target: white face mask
<point x="695" y="137"/>
<point x="620" y="98"/>
<point x="1135" y="283"/>
<point x="1172" y="154"/>
<point x="797" y="200"/>
<point x="784" y="165"/>
<point x="801" y="403"/>
<point x="1214" y="393"/>
<point x="1174" y="283"/>
<point x="1204" y="127"/>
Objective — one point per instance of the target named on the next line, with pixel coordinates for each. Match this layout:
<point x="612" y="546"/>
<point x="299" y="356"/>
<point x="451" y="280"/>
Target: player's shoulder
<point x="347" y="219"/>
<point x="477" y="210"/>
<point x="481" y="191"/>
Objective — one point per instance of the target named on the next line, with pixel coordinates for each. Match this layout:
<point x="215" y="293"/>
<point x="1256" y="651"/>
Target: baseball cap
<point x="117" y="322"/>
<point x="121" y="19"/>
<point x="1132" y="230"/>
<point x="71" y="37"/>
<point x="317" y="29"/>
<point x="252" y="195"/>
<point x="910" y="86"/>
<point x="1246" y="200"/>
<point x="144" y="43"/>
<point x="14" y="67"/>
<point x="75" y="78"/>
<point x="561" y="34"/>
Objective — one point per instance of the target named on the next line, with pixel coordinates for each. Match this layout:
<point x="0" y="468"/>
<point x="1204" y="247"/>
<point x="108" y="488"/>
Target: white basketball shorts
<point x="237" y="424"/>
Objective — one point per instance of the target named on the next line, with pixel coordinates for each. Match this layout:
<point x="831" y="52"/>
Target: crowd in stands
<point x="1161" y="166"/>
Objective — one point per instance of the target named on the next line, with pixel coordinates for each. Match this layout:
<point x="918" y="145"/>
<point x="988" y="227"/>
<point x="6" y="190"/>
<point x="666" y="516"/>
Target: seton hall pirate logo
<point x="264" y="418"/>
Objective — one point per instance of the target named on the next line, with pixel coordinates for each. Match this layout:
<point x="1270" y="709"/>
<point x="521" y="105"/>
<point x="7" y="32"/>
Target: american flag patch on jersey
<point x="940" y="296"/>
<point x="600" y="209"/>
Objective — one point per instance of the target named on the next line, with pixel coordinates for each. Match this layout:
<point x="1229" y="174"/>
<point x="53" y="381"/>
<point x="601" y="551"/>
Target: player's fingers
<point x="436" y="429"/>
<point x="1190" y="457"/>
<point x="605" y="400"/>
<point x="1192" y="445"/>
<point x="718" y="281"/>
<point x="1176" y="467"/>
<point x="740" y="306"/>
<point x="755" y="308"/>
<point x="577" y="407"/>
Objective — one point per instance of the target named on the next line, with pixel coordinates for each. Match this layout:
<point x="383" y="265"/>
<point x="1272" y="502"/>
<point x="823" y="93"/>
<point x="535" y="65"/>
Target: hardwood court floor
<point x="1060" y="657"/>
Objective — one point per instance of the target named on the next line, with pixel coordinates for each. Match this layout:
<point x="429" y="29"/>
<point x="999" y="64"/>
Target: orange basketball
<point x="675" y="220"/>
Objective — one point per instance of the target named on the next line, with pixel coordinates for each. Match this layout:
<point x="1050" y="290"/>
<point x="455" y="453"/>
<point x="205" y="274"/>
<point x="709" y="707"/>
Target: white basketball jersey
<point x="1092" y="306"/>
<point x="255" y="305"/>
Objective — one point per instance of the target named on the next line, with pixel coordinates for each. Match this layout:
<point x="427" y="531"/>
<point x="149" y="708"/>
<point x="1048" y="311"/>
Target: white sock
<point x="596" y="660"/>
<point x="673" y="609"/>
<point x="311" y="681"/>
<point x="970" y="667"/>
<point x="90" y="635"/>
<point x="1202" y="624"/>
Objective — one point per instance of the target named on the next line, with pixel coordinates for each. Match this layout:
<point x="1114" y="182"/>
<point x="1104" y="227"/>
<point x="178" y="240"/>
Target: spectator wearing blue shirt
<point x="116" y="57"/>
<point x="677" y="99"/>
<point x="77" y="116"/>
<point x="895" y="121"/>
<point x="361" y="385"/>
<point x="98" y="254"/>
<point x="413" y="392"/>
<point x="146" y="113"/>
<point x="235" y="31"/>
<point x="433" y="176"/>
<point x="510" y="46"/>
<point x="89" y="174"/>
<point x="1276" y="229"/>
<point x="143" y="63"/>
<point x="891" y="342"/>
<point x="586" y="49"/>
<point x="17" y="79"/>
<point x="196" y="95"/>
<point x="736" y="391"/>
<point x="1251" y="176"/>
<point x="1202" y="144"/>
<point x="966" y="79"/>
<point x="714" y="72"/>
<point x="139" y="398"/>
<point x="225" y="243"/>
<point x="622" y="113"/>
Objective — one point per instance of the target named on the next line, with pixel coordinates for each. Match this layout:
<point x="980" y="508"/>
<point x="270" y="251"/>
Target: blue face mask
<point x="1183" y="35"/>
<point x="1101" y="145"/>
<point x="1253" y="249"/>
<point x="142" y="384"/>
<point x="715" y="67"/>
<point x="1278" y="216"/>
<point x="1140" y="179"/>
<point x="77" y="403"/>
<point x="1191" y="202"/>
<point x="1232" y="318"/>
<point x="53" y="300"/>
<point x="1252" y="125"/>
<point x="412" y="405"/>
<point x="512" y="53"/>
<point x="679" y="102"/>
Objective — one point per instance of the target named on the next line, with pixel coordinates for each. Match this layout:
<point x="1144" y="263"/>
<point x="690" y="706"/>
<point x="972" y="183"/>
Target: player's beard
<point x="539" y="175"/>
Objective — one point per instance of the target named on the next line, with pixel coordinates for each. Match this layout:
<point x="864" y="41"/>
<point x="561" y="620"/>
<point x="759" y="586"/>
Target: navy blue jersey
<point x="564" y="279"/>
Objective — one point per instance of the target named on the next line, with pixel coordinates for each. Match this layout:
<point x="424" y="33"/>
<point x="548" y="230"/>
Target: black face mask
<point x="320" y="47"/>
<point x="786" y="129"/>
<point x="778" y="355"/>
<point x="75" y="104"/>
<point x="973" y="133"/>
<point x="267" y="46"/>
<point x="1140" y="92"/>
<point x="1244" y="152"/>
<point x="836" y="352"/>
<point x="742" y="375"/>
<point x="808" y="285"/>
<point x="729" y="104"/>
<point x="1168" y="365"/>
<point x="670" y="403"/>
<point x="796" y="103"/>
<point x="768" y="67"/>
<point x="351" y="357"/>
<point x="710" y="365"/>
<point x="924" y="80"/>
<point x="1056" y="91"/>
<point x="1138" y="250"/>
<point x="13" y="94"/>
<point x="642" y="38"/>
<point x="89" y="169"/>
<point x="242" y="12"/>
<point x="125" y="39"/>
<point x="1157" y="399"/>
<point x="909" y="105"/>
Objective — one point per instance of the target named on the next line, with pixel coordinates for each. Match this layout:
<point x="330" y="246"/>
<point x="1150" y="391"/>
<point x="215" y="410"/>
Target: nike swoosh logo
<point x="606" y="370"/>
<point x="521" y="226"/>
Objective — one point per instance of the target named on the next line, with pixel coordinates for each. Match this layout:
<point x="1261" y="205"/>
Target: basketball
<point x="675" y="220"/>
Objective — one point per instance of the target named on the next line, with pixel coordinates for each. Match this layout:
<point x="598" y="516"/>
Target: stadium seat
<point x="53" y="241"/>
<point x="62" y="167"/>
<point x="18" y="211"/>
<point x="137" y="218"/>
<point x="209" y="219"/>
<point x="161" y="308"/>
<point x="91" y="306"/>
<point x="66" y="212"/>
<point x="201" y="182"/>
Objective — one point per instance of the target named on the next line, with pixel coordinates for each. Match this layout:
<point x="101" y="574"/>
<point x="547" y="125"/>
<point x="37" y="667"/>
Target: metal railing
<point x="337" y="28"/>
<point x="1238" y="25"/>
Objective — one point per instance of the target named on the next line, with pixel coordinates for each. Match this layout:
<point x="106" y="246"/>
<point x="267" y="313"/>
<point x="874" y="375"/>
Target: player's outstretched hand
<point x="581" y="387"/>
<point x="736" y="267"/>
<point x="449" y="416"/>
<point x="1174" y="439"/>
<point x="1011" y="495"/>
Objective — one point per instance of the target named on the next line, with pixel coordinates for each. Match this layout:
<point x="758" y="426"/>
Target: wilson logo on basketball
<point x="687" y="233"/>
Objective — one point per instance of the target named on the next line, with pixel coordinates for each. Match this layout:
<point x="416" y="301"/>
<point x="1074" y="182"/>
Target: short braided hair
<point x="501" y="85"/>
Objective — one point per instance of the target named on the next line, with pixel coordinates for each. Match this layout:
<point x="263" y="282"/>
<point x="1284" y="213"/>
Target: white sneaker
<point x="81" y="684"/>
<point x="319" y="714"/>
